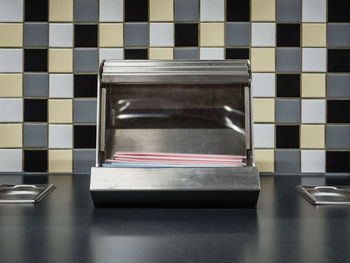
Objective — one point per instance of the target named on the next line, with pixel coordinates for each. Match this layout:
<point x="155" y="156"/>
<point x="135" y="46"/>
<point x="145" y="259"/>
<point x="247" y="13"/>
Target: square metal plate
<point x="24" y="193"/>
<point x="325" y="195"/>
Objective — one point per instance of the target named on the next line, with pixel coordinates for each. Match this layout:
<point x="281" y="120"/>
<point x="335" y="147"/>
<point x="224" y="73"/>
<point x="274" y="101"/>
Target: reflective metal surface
<point x="11" y="194"/>
<point x="325" y="195"/>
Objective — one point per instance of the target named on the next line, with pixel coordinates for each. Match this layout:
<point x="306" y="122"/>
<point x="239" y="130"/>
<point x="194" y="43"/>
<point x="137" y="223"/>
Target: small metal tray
<point x="325" y="195"/>
<point x="24" y="193"/>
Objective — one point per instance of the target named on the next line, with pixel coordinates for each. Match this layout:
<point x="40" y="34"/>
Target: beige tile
<point x="312" y="136"/>
<point x="60" y="161"/>
<point x="265" y="160"/>
<point x="314" y="35"/>
<point x="111" y="35"/>
<point x="10" y="135"/>
<point x="10" y="85"/>
<point x="263" y="110"/>
<point x="263" y="10"/>
<point x="161" y="10"/>
<point x="212" y="34"/>
<point x="11" y="35"/>
<point x="313" y="85"/>
<point x="60" y="111"/>
<point x="61" y="10"/>
<point x="263" y="59"/>
<point x="60" y="60"/>
<point x="161" y="53"/>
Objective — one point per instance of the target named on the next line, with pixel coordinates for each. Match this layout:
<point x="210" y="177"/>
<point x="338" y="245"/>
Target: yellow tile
<point x="60" y="60"/>
<point x="111" y="35"/>
<point x="61" y="10"/>
<point x="313" y="85"/>
<point x="11" y="35"/>
<point x="212" y="34"/>
<point x="10" y="85"/>
<point x="161" y="53"/>
<point x="60" y="111"/>
<point x="263" y="59"/>
<point x="60" y="161"/>
<point x="264" y="110"/>
<point x="10" y="135"/>
<point x="312" y="136"/>
<point x="263" y="10"/>
<point x="161" y="10"/>
<point x="265" y="160"/>
<point x="314" y="35"/>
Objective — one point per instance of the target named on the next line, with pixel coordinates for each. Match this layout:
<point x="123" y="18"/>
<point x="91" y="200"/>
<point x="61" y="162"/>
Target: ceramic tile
<point x="60" y="136"/>
<point x="11" y="35"/>
<point x="265" y="160"/>
<point x="111" y="35"/>
<point x="60" y="161"/>
<point x="11" y="60"/>
<point x="85" y="111"/>
<point x="61" y="10"/>
<point x="11" y="135"/>
<point x="11" y="85"/>
<point x="86" y="10"/>
<point x="263" y="84"/>
<point x="262" y="59"/>
<point x="338" y="35"/>
<point x="212" y="10"/>
<point x="35" y="84"/>
<point x="264" y="135"/>
<point x="313" y="111"/>
<point x="161" y="34"/>
<point x="161" y="53"/>
<point x="111" y="53"/>
<point x="135" y="34"/>
<point x="11" y="10"/>
<point x="338" y="136"/>
<point x="313" y="161"/>
<point x="314" y="35"/>
<point x="288" y="10"/>
<point x="85" y="60"/>
<point x="314" y="59"/>
<point x="263" y="34"/>
<point x="60" y="111"/>
<point x="263" y="10"/>
<point x="288" y="59"/>
<point x="60" y="60"/>
<point x="11" y="160"/>
<point x="186" y="10"/>
<point x="35" y="135"/>
<point x="263" y="110"/>
<point x="314" y="10"/>
<point x="61" y="85"/>
<point x="212" y="53"/>
<point x="287" y="161"/>
<point x="313" y="85"/>
<point x="186" y="53"/>
<point x="83" y="160"/>
<point x="312" y="136"/>
<point x="111" y="10"/>
<point x="237" y="34"/>
<point x="212" y="34"/>
<point x="161" y="10"/>
<point x="61" y="35"/>
<point x="338" y="85"/>
<point x="11" y="110"/>
<point x="287" y="111"/>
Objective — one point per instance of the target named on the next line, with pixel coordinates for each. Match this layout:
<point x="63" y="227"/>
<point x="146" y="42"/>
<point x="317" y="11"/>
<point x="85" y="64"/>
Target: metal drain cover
<point x="24" y="193"/>
<point x="325" y="195"/>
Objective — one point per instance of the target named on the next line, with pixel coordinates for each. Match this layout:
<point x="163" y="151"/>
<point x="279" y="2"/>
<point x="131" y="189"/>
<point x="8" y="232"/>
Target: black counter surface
<point x="65" y="227"/>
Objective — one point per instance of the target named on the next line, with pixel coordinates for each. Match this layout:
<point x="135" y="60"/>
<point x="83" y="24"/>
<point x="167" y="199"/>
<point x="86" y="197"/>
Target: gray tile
<point x="338" y="85"/>
<point x="85" y="10"/>
<point x="136" y="34"/>
<point x="186" y="10"/>
<point x="287" y="111"/>
<point x="85" y="111"/>
<point x="237" y="34"/>
<point x="287" y="161"/>
<point x="85" y="60"/>
<point x="36" y="85"/>
<point x="186" y="53"/>
<point x="338" y="35"/>
<point x="35" y="135"/>
<point x="35" y="34"/>
<point x="83" y="160"/>
<point x="288" y="10"/>
<point x="338" y="136"/>
<point x="288" y="60"/>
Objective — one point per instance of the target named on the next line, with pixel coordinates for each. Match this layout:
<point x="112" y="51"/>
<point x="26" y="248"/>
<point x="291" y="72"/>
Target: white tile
<point x="61" y="35"/>
<point x="313" y="111"/>
<point x="211" y="53"/>
<point x="111" y="53"/>
<point x="161" y="34"/>
<point x="264" y="135"/>
<point x="11" y="110"/>
<point x="61" y="85"/>
<point x="263" y="34"/>
<point x="60" y="136"/>
<point x="11" y="160"/>
<point x="11" y="60"/>
<point x="313" y="161"/>
<point x="111" y="10"/>
<point x="212" y="10"/>
<point x="11" y="10"/>
<point x="314" y="59"/>
<point x="314" y="10"/>
<point x="263" y="84"/>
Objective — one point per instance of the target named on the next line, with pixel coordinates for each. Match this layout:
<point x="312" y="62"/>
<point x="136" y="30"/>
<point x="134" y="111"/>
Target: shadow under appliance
<point x="201" y="107"/>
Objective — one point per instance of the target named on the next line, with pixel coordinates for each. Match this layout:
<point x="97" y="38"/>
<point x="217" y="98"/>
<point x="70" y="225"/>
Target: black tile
<point x="35" y="60"/>
<point x="186" y="35"/>
<point x="85" y="35"/>
<point x="338" y="60"/>
<point x="288" y="35"/>
<point x="338" y="111"/>
<point x="136" y="10"/>
<point x="287" y="136"/>
<point x="338" y="162"/>
<point x="36" y="10"/>
<point x="136" y="53"/>
<point x="338" y="11"/>
<point x="35" y="160"/>
<point x="84" y="136"/>
<point x="35" y="110"/>
<point x="238" y="10"/>
<point x="85" y="85"/>
<point x="237" y="53"/>
<point x="288" y="85"/>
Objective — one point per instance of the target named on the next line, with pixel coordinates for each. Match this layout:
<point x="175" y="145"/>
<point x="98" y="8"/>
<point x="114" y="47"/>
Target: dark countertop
<point x="65" y="227"/>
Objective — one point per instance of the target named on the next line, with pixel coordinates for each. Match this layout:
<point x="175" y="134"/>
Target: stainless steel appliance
<point x="175" y="107"/>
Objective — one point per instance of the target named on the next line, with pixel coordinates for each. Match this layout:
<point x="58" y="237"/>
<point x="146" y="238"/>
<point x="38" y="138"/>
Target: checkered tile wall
<point x="299" y="51"/>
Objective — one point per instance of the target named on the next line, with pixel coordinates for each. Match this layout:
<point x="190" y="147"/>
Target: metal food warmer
<point x="189" y="106"/>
